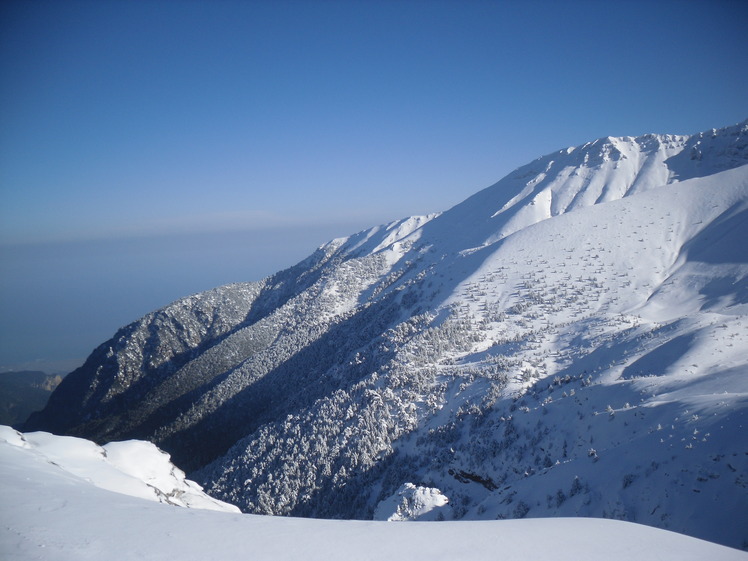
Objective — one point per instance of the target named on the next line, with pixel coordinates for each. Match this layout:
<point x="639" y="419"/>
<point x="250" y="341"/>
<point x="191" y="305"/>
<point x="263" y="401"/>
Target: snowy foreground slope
<point x="133" y="467"/>
<point x="50" y="511"/>
<point x="571" y="341"/>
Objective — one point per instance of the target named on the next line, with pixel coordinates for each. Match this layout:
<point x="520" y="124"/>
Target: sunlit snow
<point x="51" y="510"/>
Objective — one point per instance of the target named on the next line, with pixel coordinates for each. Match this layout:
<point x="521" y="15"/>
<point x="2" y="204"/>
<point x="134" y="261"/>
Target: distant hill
<point x="23" y="392"/>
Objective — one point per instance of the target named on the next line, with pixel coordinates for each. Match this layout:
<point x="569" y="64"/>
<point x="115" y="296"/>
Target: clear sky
<point x="149" y="149"/>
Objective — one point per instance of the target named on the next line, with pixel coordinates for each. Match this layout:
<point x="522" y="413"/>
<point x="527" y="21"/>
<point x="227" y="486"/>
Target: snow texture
<point x="133" y="468"/>
<point x="412" y="502"/>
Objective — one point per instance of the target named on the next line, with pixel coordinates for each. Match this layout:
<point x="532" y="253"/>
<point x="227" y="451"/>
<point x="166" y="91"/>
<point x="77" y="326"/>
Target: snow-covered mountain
<point x="570" y="341"/>
<point x="58" y="509"/>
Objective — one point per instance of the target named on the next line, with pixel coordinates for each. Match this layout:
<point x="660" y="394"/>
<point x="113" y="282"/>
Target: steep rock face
<point x="523" y="352"/>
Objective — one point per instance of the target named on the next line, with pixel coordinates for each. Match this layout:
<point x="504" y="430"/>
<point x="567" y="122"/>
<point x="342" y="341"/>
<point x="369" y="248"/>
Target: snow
<point x="605" y="170"/>
<point x="413" y="502"/>
<point x="133" y="467"/>
<point x="50" y="513"/>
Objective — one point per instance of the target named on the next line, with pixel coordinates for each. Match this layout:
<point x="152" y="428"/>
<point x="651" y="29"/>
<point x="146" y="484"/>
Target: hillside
<point x="567" y="342"/>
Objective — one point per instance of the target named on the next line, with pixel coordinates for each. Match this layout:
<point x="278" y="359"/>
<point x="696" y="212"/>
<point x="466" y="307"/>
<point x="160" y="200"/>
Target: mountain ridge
<point x="432" y="352"/>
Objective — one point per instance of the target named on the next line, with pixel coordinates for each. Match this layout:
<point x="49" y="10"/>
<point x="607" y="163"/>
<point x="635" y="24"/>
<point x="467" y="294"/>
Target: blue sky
<point x="149" y="150"/>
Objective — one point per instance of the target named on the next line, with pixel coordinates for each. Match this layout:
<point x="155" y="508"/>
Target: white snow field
<point x="55" y="507"/>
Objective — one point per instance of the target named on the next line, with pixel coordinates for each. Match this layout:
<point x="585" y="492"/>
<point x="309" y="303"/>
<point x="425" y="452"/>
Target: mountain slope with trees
<point x="569" y="341"/>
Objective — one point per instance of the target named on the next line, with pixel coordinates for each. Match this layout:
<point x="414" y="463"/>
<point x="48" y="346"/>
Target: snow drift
<point x="134" y="468"/>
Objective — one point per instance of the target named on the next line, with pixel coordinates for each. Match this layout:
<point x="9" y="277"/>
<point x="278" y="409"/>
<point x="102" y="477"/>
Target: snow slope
<point x="570" y="341"/>
<point x="48" y="512"/>
<point x="133" y="468"/>
<point x="594" y="364"/>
